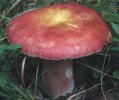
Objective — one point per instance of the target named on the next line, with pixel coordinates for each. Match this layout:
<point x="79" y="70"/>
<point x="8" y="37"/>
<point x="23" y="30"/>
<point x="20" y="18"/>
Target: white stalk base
<point x="58" y="78"/>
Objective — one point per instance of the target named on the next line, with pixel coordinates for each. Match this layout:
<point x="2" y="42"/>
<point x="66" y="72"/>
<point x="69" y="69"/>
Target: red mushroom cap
<point x="59" y="31"/>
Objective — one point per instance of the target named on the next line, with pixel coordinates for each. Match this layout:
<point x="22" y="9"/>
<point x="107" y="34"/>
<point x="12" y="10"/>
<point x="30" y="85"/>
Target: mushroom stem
<point x="58" y="78"/>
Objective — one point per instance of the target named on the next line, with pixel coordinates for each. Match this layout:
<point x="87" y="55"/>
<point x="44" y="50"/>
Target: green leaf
<point x="115" y="39"/>
<point x="115" y="82"/>
<point x="115" y="27"/>
<point x="116" y="73"/>
<point x="3" y="78"/>
<point x="114" y="48"/>
<point x="8" y="47"/>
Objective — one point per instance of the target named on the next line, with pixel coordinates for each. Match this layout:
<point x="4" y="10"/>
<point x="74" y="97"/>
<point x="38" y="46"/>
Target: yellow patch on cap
<point x="54" y="16"/>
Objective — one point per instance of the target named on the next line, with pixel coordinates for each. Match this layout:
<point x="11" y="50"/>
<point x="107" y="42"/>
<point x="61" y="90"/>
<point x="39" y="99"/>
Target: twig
<point x="12" y="7"/>
<point x="99" y="71"/>
<point x="72" y="96"/>
<point x="102" y="76"/>
<point x="22" y="70"/>
<point x="3" y="38"/>
<point x="36" y="79"/>
<point x="5" y="17"/>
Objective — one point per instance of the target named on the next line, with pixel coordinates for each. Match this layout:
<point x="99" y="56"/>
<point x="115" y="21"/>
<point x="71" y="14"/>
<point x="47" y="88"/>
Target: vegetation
<point x="20" y="75"/>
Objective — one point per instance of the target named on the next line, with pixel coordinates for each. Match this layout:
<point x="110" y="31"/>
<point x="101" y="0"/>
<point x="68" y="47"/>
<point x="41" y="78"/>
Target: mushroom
<point x="59" y="33"/>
